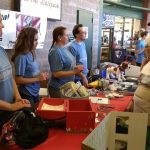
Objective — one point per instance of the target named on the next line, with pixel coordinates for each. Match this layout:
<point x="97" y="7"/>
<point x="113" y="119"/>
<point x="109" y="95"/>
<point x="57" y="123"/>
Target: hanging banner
<point x="14" y="22"/>
<point x="49" y="8"/>
<point x="108" y="20"/>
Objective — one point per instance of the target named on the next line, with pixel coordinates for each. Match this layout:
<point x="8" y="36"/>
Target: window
<point x="125" y="29"/>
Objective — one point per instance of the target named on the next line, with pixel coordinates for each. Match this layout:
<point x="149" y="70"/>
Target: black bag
<point x="30" y="131"/>
<point x="7" y="133"/>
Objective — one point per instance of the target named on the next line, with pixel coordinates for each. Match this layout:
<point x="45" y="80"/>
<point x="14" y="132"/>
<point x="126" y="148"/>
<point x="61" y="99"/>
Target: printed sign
<point x="108" y="20"/>
<point x="14" y="22"/>
<point x="117" y="132"/>
<point x="47" y="8"/>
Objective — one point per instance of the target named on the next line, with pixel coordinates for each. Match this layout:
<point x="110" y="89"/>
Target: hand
<point x="85" y="82"/>
<point x="78" y="68"/>
<point x="19" y="104"/>
<point x="43" y="76"/>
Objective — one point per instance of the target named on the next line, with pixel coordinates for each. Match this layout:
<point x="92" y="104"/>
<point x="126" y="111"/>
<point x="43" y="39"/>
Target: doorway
<point x="86" y="18"/>
<point x="107" y="43"/>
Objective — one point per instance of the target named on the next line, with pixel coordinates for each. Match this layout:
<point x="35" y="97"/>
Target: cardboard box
<point x="52" y="111"/>
<point x="80" y="116"/>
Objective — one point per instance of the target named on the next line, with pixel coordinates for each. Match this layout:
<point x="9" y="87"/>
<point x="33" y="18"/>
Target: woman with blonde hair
<point x="27" y="68"/>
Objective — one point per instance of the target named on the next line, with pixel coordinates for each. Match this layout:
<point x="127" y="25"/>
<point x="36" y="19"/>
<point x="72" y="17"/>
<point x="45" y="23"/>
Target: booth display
<point x="79" y="113"/>
<point x="119" y="130"/>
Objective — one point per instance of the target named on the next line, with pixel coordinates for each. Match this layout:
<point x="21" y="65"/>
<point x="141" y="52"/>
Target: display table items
<point x="79" y="113"/>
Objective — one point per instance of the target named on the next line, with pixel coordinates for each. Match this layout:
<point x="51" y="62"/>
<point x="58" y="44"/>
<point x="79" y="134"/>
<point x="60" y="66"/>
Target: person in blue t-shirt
<point x="27" y="69"/>
<point x="62" y="62"/>
<point x="10" y="99"/>
<point x="78" y="49"/>
<point x="140" y="49"/>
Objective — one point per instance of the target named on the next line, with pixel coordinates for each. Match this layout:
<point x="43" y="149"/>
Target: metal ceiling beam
<point x="127" y="6"/>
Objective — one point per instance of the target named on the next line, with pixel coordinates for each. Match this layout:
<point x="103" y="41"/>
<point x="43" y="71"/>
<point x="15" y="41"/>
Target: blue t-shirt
<point x="79" y="51"/>
<point x="6" y="81"/>
<point x="60" y="59"/>
<point x="140" y="56"/>
<point x="26" y="67"/>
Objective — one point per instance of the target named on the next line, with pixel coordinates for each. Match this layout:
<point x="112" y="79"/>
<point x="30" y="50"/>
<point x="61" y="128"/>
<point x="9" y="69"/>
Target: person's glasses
<point x="66" y="35"/>
<point x="84" y="32"/>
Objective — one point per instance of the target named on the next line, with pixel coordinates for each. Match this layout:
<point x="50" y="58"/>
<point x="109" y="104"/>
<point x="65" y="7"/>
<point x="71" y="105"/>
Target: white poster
<point x="14" y="22"/>
<point x="108" y="20"/>
<point x="48" y="8"/>
<point x="9" y="30"/>
<point x="119" y="131"/>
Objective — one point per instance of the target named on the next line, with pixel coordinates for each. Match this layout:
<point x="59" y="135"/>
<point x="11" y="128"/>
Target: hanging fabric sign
<point x="14" y="22"/>
<point x="108" y="20"/>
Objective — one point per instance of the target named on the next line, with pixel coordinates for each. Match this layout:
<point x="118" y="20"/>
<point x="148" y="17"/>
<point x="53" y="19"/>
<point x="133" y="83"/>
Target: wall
<point x="68" y="19"/>
<point x="6" y="4"/>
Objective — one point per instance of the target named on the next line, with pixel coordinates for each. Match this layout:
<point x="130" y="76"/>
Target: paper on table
<point x="43" y="92"/>
<point x="99" y="100"/>
<point x="52" y="107"/>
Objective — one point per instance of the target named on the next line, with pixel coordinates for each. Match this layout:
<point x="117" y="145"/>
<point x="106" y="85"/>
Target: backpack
<point x="25" y="129"/>
<point x="6" y="136"/>
<point x="31" y="131"/>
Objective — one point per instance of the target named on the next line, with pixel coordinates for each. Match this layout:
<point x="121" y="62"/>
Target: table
<point x="59" y="139"/>
<point x="116" y="104"/>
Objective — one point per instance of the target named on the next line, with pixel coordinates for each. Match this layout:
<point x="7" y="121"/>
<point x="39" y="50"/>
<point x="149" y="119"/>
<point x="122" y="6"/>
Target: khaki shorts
<point x="142" y="106"/>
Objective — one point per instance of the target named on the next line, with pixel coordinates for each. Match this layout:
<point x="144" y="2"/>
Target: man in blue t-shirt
<point x="10" y="99"/>
<point x="140" y="49"/>
<point x="78" y="49"/>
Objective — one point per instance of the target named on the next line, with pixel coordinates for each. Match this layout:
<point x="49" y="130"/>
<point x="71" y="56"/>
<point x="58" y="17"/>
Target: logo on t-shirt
<point x="5" y="73"/>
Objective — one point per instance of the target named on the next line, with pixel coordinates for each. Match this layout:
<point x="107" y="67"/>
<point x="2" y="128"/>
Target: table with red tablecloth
<point x="59" y="139"/>
<point x="115" y="104"/>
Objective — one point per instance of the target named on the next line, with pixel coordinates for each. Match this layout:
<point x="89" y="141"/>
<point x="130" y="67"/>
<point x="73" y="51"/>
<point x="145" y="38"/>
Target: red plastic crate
<point x="80" y="116"/>
<point x="52" y="114"/>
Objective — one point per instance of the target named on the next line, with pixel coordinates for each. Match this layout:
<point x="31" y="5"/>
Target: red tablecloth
<point x="60" y="140"/>
<point x="118" y="104"/>
<point x="115" y="104"/>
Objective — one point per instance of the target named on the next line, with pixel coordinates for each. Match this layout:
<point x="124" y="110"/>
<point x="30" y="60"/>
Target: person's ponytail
<point x="52" y="44"/>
